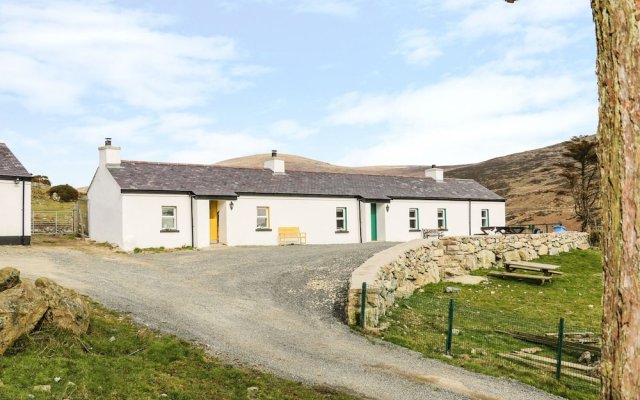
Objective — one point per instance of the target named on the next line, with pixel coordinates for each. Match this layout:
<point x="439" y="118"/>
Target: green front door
<point x="374" y="222"/>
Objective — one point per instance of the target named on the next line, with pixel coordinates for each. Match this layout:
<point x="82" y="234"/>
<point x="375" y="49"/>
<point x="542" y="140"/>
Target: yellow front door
<point x="213" y="221"/>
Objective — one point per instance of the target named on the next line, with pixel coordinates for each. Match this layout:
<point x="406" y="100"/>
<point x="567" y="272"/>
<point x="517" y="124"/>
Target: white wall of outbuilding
<point x="12" y="216"/>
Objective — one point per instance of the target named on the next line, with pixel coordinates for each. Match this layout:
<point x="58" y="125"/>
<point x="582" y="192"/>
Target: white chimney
<point x="109" y="155"/>
<point x="437" y="174"/>
<point x="275" y="164"/>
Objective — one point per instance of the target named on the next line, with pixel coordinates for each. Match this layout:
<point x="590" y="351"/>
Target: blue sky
<point x="351" y="82"/>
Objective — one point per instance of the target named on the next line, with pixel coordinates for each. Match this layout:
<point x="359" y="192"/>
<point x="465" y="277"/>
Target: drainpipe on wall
<point x="24" y="201"/>
<point x="469" y="217"/>
<point x="193" y="243"/>
<point x="360" y="220"/>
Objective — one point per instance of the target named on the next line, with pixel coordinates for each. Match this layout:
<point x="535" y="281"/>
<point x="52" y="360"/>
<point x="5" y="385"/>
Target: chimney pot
<point x="274" y="153"/>
<point x="107" y="141"/>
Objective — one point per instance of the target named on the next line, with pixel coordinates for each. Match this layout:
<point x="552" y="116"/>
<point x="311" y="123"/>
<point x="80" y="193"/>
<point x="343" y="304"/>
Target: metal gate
<point x="61" y="222"/>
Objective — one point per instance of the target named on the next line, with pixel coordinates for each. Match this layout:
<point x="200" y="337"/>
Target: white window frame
<point x="173" y="218"/>
<point x="415" y="219"/>
<point x="343" y="219"/>
<point x="267" y="217"/>
<point x="484" y="217"/>
<point x="442" y="218"/>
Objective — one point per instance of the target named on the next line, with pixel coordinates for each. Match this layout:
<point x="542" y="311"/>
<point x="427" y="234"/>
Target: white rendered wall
<point x="496" y="215"/>
<point x="397" y="219"/>
<point x="11" y="208"/>
<point x="105" y="208"/>
<point x="142" y="216"/>
<point x="201" y="222"/>
<point x="223" y="209"/>
<point x="315" y="216"/>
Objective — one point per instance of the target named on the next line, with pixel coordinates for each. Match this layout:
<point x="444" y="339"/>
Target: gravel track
<point x="277" y="309"/>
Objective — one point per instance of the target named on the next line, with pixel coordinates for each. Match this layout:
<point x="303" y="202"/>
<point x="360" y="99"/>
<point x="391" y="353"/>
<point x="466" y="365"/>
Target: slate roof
<point x="224" y="182"/>
<point x="9" y="164"/>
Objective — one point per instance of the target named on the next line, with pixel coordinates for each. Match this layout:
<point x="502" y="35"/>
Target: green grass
<point x="160" y="249"/>
<point x="420" y="322"/>
<point x="121" y="360"/>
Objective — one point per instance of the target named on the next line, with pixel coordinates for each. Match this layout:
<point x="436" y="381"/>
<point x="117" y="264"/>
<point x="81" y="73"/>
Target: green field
<point x="121" y="360"/>
<point x="483" y="313"/>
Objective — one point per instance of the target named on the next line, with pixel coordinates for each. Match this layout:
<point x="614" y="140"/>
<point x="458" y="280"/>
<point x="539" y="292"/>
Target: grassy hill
<point x="529" y="181"/>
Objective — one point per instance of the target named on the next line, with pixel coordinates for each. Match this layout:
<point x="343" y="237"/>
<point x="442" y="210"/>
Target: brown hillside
<point x="529" y="181"/>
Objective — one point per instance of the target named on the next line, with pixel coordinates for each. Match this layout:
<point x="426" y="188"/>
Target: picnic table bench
<point x="291" y="234"/>
<point x="504" y="230"/>
<point x="427" y="233"/>
<point x="547" y="270"/>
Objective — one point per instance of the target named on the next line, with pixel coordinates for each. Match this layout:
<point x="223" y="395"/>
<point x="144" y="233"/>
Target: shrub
<point x="64" y="193"/>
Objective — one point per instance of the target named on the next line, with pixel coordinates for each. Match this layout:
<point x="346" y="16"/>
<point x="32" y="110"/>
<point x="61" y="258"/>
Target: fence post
<point x="363" y="305"/>
<point x="560" y="343"/>
<point x="449" y="328"/>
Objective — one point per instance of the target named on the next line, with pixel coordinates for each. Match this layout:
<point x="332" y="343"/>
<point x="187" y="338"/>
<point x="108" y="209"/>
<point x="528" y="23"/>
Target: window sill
<point x="263" y="229"/>
<point x="342" y="231"/>
<point x="169" y="231"/>
<point x="415" y="230"/>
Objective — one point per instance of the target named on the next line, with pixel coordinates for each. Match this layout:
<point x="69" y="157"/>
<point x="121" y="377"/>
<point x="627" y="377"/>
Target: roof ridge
<point x="261" y="169"/>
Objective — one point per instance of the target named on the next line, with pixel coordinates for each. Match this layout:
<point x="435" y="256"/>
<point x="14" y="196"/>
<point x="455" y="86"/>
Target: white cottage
<point x="15" y="199"/>
<point x="145" y="204"/>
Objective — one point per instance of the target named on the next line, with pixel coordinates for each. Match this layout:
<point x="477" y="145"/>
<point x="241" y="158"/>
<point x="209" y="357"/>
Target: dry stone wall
<point x="397" y="272"/>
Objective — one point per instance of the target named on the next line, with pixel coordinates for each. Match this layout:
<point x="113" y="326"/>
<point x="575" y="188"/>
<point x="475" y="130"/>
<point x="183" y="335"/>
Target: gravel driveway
<point x="278" y="309"/>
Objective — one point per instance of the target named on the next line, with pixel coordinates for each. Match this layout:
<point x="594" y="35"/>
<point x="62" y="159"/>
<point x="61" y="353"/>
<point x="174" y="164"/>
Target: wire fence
<point x="553" y="355"/>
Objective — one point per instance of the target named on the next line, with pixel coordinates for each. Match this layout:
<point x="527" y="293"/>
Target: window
<point x="414" y="219"/>
<point x="169" y="218"/>
<point x="263" y="218"/>
<point x="442" y="218"/>
<point x="484" y="217"/>
<point x="341" y="219"/>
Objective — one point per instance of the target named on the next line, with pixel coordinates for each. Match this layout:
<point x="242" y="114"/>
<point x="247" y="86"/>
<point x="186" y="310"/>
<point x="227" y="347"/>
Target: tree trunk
<point x="618" y="65"/>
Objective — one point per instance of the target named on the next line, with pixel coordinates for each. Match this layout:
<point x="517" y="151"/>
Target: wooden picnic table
<point x="504" y="230"/>
<point x="547" y="270"/>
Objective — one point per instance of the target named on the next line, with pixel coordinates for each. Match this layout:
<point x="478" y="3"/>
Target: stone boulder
<point x="9" y="277"/>
<point x="67" y="310"/>
<point x="21" y="308"/>
<point x="486" y="258"/>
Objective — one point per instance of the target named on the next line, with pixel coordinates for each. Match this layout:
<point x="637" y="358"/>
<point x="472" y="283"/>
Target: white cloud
<point x="343" y="8"/>
<point x="488" y="115"/>
<point x="55" y="55"/>
<point x="418" y="47"/>
<point x="291" y="130"/>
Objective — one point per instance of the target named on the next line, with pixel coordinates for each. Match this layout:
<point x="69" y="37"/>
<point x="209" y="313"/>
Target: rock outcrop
<point x="23" y="304"/>
<point x="9" y="277"/>
<point x="21" y="308"/>
<point x="67" y="310"/>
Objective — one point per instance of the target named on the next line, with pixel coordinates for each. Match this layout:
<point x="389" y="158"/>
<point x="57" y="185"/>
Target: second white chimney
<point x="275" y="164"/>
<point x="434" y="173"/>
<point x="109" y="155"/>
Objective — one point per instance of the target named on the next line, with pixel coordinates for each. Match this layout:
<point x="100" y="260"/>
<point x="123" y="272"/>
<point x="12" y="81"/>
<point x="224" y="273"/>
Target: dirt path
<point x="273" y="308"/>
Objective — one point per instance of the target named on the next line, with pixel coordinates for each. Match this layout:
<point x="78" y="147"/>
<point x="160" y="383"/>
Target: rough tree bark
<point x="618" y="66"/>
